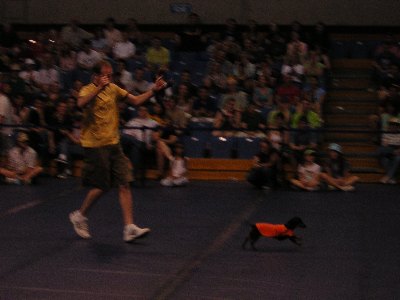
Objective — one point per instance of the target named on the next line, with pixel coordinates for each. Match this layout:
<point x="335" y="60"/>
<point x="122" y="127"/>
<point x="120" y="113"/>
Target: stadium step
<point x="350" y="63"/>
<point x="348" y="107"/>
<point x="350" y="83"/>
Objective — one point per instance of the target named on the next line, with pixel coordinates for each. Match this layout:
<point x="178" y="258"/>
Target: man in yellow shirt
<point x="105" y="163"/>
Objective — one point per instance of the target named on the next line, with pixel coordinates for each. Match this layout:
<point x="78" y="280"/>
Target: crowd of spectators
<point x="386" y="83"/>
<point x="244" y="80"/>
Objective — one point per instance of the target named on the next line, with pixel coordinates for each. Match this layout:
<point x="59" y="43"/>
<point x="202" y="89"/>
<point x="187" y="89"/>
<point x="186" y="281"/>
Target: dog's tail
<point x="248" y="223"/>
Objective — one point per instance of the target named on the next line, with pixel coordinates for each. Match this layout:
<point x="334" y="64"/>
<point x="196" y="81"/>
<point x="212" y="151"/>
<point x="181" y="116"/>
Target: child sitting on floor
<point x="178" y="169"/>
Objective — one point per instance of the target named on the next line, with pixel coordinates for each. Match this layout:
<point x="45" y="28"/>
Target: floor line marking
<point x="170" y="286"/>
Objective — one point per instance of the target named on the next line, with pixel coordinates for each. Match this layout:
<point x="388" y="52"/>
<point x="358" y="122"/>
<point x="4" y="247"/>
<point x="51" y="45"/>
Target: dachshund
<point x="279" y="232"/>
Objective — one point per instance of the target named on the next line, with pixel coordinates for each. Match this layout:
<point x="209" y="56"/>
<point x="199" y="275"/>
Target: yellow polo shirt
<point x="101" y="116"/>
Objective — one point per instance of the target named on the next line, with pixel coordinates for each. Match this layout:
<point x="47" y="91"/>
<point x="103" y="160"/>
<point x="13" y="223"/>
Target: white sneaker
<point x="80" y="224"/>
<point x="13" y="180"/>
<point x="132" y="232"/>
<point x="384" y="179"/>
<point x="348" y="188"/>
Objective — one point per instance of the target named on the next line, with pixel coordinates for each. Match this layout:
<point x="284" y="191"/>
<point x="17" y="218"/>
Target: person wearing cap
<point x="22" y="163"/>
<point x="308" y="173"/>
<point x="337" y="170"/>
<point x="389" y="151"/>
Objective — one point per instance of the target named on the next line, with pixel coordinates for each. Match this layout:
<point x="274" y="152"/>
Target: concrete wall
<point x="332" y="12"/>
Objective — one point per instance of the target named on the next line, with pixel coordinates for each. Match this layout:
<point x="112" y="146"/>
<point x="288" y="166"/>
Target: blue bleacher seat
<point x="247" y="147"/>
<point x="340" y="49"/>
<point x="194" y="146"/>
<point x="359" y="49"/>
<point x="221" y="147"/>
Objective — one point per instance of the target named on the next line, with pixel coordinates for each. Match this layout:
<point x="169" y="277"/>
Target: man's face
<point x="106" y="71"/>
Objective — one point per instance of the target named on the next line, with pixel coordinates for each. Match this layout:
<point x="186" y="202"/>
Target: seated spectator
<point x="316" y="94"/>
<point x="20" y="109"/>
<point x="178" y="169"/>
<point x="313" y="67"/>
<point x="38" y="133"/>
<point x="185" y="78"/>
<point x="263" y="95"/>
<point x="137" y="142"/>
<point x="380" y="121"/>
<point x="308" y="173"/>
<point x="123" y="76"/>
<point x="278" y="135"/>
<point x="177" y="116"/>
<point x="111" y="33"/>
<point x="87" y="58"/>
<point x="16" y="84"/>
<point x="305" y="110"/>
<point x="70" y="147"/>
<point x="337" y="170"/>
<point x="301" y="139"/>
<point x="139" y="83"/>
<point x="384" y="58"/>
<point x="204" y="106"/>
<point x="219" y="60"/>
<point x="296" y="46"/>
<point x="227" y="119"/>
<point x="232" y="92"/>
<point x="164" y="141"/>
<point x="264" y="173"/>
<point x="48" y="73"/>
<point x="68" y="65"/>
<point x="389" y="151"/>
<point x="157" y="113"/>
<point x="252" y="121"/>
<point x="22" y="163"/>
<point x="288" y="91"/>
<point x="293" y="68"/>
<point x="60" y="127"/>
<point x="283" y="108"/>
<point x="243" y="67"/>
<point x="99" y="42"/>
<point x="215" y="78"/>
<point x="29" y="74"/>
<point x="157" y="56"/>
<point x="124" y="49"/>
<point x="184" y="99"/>
<point x="73" y="35"/>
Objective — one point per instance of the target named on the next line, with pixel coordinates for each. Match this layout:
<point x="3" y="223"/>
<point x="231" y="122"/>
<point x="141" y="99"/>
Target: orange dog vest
<point x="273" y="230"/>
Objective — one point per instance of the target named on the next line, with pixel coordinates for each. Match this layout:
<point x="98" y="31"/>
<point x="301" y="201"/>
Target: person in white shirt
<point x="178" y="169"/>
<point x="47" y="74"/>
<point x="137" y="142"/>
<point x="22" y="166"/>
<point x="308" y="172"/>
<point x="87" y="58"/>
<point x="124" y="49"/>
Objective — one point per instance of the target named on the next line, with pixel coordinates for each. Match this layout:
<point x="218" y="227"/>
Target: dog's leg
<point x="254" y="236"/>
<point x="296" y="240"/>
